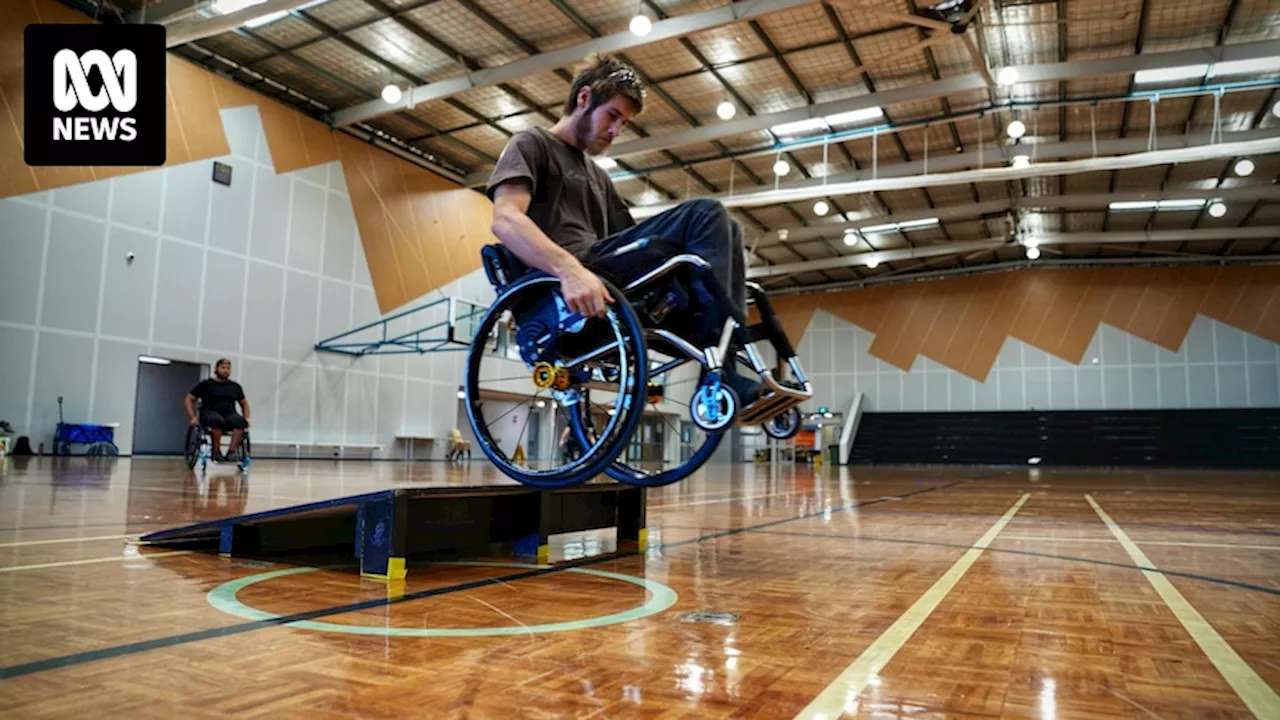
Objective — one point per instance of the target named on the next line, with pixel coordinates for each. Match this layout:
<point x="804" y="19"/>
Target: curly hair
<point x="608" y="78"/>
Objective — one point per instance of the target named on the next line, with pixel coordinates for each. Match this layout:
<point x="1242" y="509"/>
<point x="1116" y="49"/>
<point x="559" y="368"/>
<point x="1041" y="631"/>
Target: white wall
<point x="1217" y="366"/>
<point x="256" y="272"/>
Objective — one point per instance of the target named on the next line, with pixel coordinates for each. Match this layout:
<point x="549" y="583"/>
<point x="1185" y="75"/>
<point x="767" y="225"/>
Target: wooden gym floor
<point x="765" y="592"/>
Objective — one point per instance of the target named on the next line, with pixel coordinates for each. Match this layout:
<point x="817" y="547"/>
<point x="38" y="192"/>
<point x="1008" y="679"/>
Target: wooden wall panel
<point x="1099" y="287"/>
<point x="1255" y="298"/>
<point x="1129" y="289"/>
<point x="1066" y="305"/>
<point x="1185" y="305"/>
<point x="997" y="326"/>
<point x="986" y="294"/>
<point x="894" y="326"/>
<point x="1036" y="304"/>
<point x="963" y="322"/>
<point x="957" y="297"/>
<point x="1151" y="311"/>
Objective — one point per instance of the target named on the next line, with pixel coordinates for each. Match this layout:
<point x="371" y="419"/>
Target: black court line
<point x="37" y="666"/>
<point x="1072" y="558"/>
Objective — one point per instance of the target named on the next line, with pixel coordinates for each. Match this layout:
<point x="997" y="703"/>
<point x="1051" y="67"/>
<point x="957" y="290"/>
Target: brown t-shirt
<point x="574" y="201"/>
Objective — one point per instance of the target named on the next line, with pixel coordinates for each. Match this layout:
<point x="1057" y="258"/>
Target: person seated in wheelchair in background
<point x="218" y="397"/>
<point x="557" y="211"/>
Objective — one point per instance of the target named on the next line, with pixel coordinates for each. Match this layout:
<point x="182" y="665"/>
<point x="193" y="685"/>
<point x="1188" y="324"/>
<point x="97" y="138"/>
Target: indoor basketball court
<point x="595" y="359"/>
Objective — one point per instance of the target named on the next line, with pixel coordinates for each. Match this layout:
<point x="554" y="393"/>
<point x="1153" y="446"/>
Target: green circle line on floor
<point x="660" y="597"/>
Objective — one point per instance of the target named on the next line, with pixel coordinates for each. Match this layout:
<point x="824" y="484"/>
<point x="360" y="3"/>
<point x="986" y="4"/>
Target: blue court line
<point x="1108" y="563"/>
<point x="54" y="663"/>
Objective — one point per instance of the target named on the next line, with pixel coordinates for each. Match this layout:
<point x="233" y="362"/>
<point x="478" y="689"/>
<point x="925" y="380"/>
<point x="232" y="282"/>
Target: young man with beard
<point x="559" y="212"/>
<point x="218" y="397"/>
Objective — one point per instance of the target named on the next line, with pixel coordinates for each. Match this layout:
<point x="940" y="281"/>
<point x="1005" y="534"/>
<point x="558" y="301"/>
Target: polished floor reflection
<point x="766" y="591"/>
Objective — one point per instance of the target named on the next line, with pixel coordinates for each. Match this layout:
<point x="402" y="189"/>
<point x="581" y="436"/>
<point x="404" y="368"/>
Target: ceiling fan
<point x="946" y="19"/>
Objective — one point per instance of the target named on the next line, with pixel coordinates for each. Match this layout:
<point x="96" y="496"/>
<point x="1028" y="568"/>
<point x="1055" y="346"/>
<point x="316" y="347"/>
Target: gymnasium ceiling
<point x="904" y="91"/>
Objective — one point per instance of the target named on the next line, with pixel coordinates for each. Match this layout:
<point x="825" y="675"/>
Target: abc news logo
<point x="95" y="95"/>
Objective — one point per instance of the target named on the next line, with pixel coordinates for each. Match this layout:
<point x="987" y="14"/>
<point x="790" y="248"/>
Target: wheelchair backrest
<point x="501" y="266"/>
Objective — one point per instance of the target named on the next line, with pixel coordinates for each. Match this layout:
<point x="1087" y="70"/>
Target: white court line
<point x="1145" y="542"/>
<point x="89" y="561"/>
<point x="1253" y="690"/>
<point x="841" y="696"/>
<point x="64" y="540"/>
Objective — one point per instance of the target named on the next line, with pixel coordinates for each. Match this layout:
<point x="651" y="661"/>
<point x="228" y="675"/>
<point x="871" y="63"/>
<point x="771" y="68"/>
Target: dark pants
<point x="701" y="227"/>
<point x="215" y="420"/>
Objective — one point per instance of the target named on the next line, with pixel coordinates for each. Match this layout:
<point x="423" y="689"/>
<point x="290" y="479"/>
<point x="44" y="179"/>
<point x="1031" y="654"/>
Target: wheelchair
<point x="672" y="320"/>
<point x="199" y="448"/>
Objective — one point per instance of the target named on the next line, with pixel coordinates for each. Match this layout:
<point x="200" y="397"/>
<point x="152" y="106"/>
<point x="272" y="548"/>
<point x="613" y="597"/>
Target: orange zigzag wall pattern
<point x="962" y="323"/>
<point x="419" y="230"/>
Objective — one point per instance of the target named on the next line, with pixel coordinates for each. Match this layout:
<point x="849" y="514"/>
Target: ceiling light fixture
<point x="1021" y="161"/>
<point x="1149" y="205"/>
<point x="1244" y="168"/>
<point x="854" y="116"/>
<point x="1007" y="76"/>
<point x="726" y="110"/>
<point x="391" y="94"/>
<point x="850" y="237"/>
<point x="821" y="208"/>
<point x="1033" y="252"/>
<point x="900" y="226"/>
<point x="1241" y="67"/>
<point x="1217" y="209"/>
<point x="641" y="25"/>
<point x="1016" y="129"/>
<point x="606" y="162"/>
<point x="873" y="263"/>
<point x="1159" y="75"/>
<point x="799" y="126"/>
<point x="782" y="167"/>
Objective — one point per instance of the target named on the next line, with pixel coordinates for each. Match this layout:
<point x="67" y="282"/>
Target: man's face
<point x="596" y="129"/>
<point x="223" y="370"/>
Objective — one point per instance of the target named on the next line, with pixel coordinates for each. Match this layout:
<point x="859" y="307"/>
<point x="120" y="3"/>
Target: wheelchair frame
<point x="200" y="443"/>
<point x="775" y="408"/>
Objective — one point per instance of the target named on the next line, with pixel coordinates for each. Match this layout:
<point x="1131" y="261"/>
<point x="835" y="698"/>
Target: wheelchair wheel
<point x="694" y="447"/>
<point x="191" y="453"/>
<point x="784" y="426"/>
<point x="551" y="358"/>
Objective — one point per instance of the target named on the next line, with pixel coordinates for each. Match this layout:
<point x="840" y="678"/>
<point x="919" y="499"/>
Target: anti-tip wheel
<point x="783" y="426"/>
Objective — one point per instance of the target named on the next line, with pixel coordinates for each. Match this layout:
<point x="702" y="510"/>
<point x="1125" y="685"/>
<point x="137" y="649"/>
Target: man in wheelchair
<point x="218" y="397"/>
<point x="557" y="211"/>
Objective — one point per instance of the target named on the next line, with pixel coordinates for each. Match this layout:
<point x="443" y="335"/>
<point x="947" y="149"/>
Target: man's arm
<point x="190" y="404"/>
<point x="583" y="291"/>
<point x="244" y="409"/>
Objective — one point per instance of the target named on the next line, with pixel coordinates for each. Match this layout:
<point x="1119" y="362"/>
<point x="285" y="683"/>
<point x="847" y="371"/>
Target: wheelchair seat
<point x="661" y="283"/>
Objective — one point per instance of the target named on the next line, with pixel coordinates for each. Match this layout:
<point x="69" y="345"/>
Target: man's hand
<point x="195" y="422"/>
<point x="584" y="292"/>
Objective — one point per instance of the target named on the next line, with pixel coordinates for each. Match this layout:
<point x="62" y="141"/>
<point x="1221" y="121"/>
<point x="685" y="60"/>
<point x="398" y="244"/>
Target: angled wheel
<point x="191" y="452"/>
<point x="530" y="355"/>
<point x="676" y="380"/>
<point x="784" y="426"/>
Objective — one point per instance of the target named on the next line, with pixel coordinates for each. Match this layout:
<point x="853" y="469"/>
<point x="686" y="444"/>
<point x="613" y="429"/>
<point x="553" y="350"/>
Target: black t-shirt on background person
<point x="219" y="396"/>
